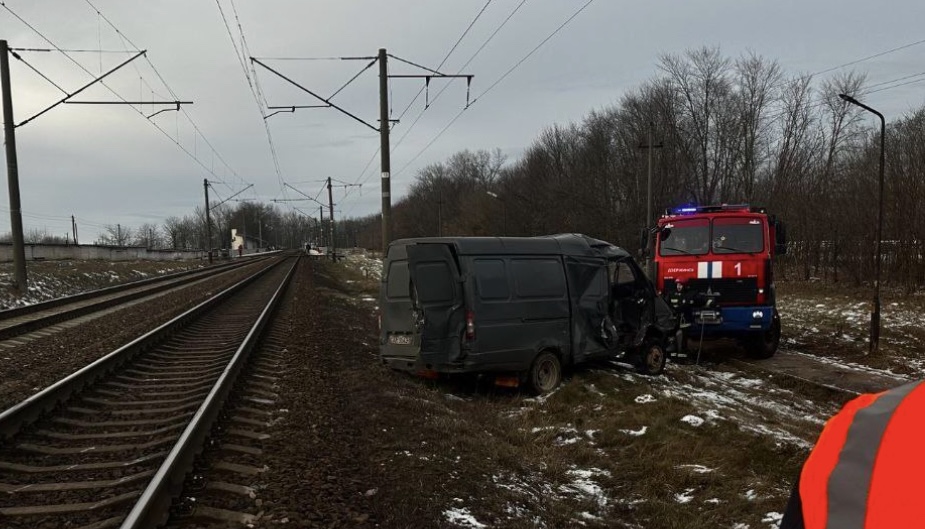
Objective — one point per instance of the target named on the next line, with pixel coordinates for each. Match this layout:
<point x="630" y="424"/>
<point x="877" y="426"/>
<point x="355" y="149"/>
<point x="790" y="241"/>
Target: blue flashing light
<point x="688" y="210"/>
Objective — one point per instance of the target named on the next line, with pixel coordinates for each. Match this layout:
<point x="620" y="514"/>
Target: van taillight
<point x="470" y="325"/>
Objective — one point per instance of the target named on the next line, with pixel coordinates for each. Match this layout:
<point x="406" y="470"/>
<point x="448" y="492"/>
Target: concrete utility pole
<point x="205" y="185"/>
<point x="12" y="171"/>
<point x="384" y="149"/>
<point x="650" y="222"/>
<point x="331" y="211"/>
<point x="74" y="229"/>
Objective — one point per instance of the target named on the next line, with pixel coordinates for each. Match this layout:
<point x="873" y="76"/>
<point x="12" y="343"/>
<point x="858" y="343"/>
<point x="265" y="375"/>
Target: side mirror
<point x="780" y="238"/>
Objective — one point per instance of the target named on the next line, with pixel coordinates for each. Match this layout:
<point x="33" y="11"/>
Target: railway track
<point x="110" y="445"/>
<point x="14" y="323"/>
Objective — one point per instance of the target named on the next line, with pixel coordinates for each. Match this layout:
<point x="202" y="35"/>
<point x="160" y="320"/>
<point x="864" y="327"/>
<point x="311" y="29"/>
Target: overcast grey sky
<point x="108" y="164"/>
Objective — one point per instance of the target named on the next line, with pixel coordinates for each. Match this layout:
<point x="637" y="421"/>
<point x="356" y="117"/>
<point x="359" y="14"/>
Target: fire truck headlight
<point x="758" y="314"/>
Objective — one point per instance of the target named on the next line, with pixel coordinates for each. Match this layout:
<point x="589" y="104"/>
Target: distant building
<point x="248" y="244"/>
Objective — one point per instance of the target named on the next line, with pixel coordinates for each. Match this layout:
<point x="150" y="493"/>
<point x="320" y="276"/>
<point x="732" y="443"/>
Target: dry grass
<point x="833" y="320"/>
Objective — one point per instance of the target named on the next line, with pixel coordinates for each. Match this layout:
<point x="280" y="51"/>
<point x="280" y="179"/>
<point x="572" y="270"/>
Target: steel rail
<point x="83" y="296"/>
<point x="13" y="419"/>
<point x="151" y="509"/>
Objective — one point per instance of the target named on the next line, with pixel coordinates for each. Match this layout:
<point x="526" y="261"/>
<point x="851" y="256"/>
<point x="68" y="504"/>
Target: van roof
<point x="561" y="244"/>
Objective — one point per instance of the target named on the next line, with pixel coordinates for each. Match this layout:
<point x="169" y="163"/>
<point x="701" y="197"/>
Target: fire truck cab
<point x="714" y="265"/>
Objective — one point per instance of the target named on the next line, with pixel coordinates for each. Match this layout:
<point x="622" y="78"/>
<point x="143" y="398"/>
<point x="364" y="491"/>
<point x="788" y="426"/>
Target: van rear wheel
<point x="545" y="373"/>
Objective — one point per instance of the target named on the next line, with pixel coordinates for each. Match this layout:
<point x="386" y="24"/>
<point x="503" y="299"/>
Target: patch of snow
<point x="773" y="518"/>
<point x="543" y="398"/>
<point x="751" y="495"/>
<point x="645" y="399"/>
<point x="782" y="436"/>
<point x="636" y="433"/>
<point x="583" y="484"/>
<point x="684" y="497"/>
<point x="693" y="420"/>
<point x="463" y="518"/>
<point x="699" y="469"/>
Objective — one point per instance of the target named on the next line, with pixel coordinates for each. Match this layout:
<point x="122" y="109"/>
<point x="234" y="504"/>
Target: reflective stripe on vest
<point x="857" y="476"/>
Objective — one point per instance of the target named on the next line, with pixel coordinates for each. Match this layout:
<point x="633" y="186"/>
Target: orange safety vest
<point x="867" y="471"/>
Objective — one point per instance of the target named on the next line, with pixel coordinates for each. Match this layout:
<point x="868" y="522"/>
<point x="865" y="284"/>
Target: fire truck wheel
<point x="651" y="359"/>
<point x="764" y="345"/>
<point x="545" y="373"/>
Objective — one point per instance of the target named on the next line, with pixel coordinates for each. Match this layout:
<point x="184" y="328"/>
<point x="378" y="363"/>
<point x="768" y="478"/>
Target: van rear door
<point x="437" y="294"/>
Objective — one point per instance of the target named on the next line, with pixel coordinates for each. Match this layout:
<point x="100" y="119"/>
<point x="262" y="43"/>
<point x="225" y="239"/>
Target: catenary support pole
<point x="12" y="170"/>
<point x="205" y="186"/>
<point x="331" y="212"/>
<point x="384" y="149"/>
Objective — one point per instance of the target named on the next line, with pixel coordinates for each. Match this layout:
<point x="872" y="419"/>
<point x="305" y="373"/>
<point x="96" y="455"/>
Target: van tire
<point x="652" y="357"/>
<point x="545" y="374"/>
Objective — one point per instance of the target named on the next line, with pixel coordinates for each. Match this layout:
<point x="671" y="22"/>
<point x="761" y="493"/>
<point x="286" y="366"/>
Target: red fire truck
<point x="714" y="265"/>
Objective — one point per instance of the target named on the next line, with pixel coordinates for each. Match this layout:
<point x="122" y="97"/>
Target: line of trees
<point x="252" y="219"/>
<point x="732" y="130"/>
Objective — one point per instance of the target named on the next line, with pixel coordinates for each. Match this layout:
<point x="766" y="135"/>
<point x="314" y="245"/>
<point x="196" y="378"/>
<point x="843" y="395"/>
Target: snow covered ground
<point x="837" y="326"/>
<point x="53" y="279"/>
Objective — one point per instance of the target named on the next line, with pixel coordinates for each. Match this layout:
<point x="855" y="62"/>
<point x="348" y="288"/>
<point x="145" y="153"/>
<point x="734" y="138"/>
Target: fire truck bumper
<point x="731" y="319"/>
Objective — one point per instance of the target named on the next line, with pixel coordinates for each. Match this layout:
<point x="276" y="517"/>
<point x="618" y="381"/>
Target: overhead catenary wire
<point x="67" y="50"/>
<point x="531" y="52"/>
<point x="869" y="57"/>
<point x="363" y="178"/>
<point x="175" y="97"/>
<point x="82" y="67"/>
<point x="507" y="73"/>
<point x="447" y="56"/>
<point x="349" y="58"/>
<point x="461" y="68"/>
<point x="496" y="83"/>
<point x="258" y="96"/>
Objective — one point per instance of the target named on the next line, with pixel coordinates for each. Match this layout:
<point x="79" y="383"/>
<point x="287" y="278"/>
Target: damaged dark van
<point x="518" y="308"/>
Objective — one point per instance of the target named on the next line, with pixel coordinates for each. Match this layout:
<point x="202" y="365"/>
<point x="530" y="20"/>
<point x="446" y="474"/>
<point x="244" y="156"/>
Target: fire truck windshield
<point x="737" y="235"/>
<point x="686" y="237"/>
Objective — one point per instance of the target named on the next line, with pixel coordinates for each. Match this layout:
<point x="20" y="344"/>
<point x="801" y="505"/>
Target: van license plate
<point x="400" y="339"/>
